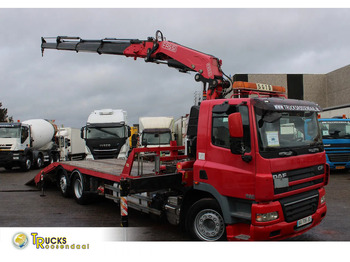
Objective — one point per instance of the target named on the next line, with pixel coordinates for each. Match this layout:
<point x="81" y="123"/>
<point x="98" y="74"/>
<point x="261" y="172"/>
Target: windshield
<point x="163" y="138"/>
<point x="286" y="133"/>
<point x="105" y="132"/>
<point x="10" y="132"/>
<point x="335" y="129"/>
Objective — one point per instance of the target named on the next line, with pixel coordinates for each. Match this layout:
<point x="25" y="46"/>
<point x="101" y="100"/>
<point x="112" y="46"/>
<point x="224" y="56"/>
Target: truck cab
<point x="14" y="141"/>
<point x="70" y="144"/>
<point x="26" y="144"/>
<point x="156" y="131"/>
<point x="106" y="134"/>
<point x="336" y="138"/>
<point x="255" y="157"/>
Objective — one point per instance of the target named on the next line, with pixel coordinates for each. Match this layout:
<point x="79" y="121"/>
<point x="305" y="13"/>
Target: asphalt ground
<point x="27" y="206"/>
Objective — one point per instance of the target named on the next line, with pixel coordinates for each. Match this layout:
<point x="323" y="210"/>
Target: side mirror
<point x="235" y="125"/>
<point x="82" y="132"/>
<point x="129" y="131"/>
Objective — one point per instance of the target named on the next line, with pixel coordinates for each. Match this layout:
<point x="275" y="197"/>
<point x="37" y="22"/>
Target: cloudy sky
<point x="67" y="86"/>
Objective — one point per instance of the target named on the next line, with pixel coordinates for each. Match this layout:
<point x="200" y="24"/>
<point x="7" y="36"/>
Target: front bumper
<point x="11" y="158"/>
<point x="274" y="230"/>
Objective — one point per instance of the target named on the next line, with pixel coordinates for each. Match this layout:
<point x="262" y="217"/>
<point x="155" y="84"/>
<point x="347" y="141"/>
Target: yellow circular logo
<point x="20" y="240"/>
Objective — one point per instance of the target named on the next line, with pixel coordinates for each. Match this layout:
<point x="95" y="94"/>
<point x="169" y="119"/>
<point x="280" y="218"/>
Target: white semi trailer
<point x="28" y="144"/>
<point x="71" y="145"/>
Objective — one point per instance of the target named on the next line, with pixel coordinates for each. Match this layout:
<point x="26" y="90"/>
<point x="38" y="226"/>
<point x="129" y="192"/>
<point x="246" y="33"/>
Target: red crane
<point x="154" y="50"/>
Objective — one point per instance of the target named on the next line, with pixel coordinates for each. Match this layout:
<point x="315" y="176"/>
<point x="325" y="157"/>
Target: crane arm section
<point x="160" y="51"/>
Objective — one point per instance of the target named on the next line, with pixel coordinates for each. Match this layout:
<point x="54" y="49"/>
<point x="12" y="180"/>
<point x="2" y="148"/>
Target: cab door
<point x="230" y="174"/>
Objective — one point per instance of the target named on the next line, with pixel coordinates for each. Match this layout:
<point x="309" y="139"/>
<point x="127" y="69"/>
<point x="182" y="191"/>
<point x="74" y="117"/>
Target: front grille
<point x="341" y="157"/>
<point x="283" y="179"/>
<point x="5" y="146"/>
<point x="5" y="156"/>
<point x="327" y="145"/>
<point x="299" y="206"/>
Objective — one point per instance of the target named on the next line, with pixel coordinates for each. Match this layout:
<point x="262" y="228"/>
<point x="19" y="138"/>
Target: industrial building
<point x="328" y="90"/>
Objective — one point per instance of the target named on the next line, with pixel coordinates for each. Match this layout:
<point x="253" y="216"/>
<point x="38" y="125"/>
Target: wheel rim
<point x="209" y="225"/>
<point x="40" y="162"/>
<point x="78" y="188"/>
<point x="28" y="164"/>
<point x="63" y="184"/>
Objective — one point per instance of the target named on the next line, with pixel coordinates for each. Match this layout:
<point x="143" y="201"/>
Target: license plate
<point x="340" y="167"/>
<point x="304" y="221"/>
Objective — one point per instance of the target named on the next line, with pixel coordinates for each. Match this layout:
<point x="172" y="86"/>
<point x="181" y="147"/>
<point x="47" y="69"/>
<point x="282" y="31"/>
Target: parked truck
<point x="156" y="131"/>
<point x="336" y="139"/>
<point x="106" y="134"/>
<point x="180" y="129"/>
<point x="134" y="136"/>
<point x="70" y="144"/>
<point x="335" y="129"/>
<point x="247" y="175"/>
<point x="28" y="144"/>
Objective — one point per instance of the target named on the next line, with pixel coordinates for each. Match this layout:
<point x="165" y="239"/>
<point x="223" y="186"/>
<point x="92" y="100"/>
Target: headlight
<point x="323" y="199"/>
<point x="267" y="217"/>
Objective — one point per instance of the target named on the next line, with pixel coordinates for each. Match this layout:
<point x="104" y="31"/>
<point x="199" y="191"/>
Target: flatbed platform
<point x="138" y="173"/>
<point x="110" y="169"/>
<point x="111" y="166"/>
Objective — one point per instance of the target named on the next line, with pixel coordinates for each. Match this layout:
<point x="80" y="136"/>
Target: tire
<point x="51" y="159"/>
<point x="39" y="163"/>
<point x="79" y="188"/>
<point x="27" y="164"/>
<point x="63" y="184"/>
<point x="205" y="221"/>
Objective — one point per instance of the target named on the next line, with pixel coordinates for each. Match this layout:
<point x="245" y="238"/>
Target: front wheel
<point x="205" y="222"/>
<point x="27" y="163"/>
<point x="63" y="183"/>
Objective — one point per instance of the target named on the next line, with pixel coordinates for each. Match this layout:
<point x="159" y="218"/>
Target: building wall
<point x="275" y="80"/>
<point x="315" y="89"/>
<point x="336" y="112"/>
<point x="327" y="90"/>
<point x="338" y="87"/>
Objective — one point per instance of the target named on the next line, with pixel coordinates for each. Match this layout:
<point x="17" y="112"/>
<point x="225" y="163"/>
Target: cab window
<point x="220" y="132"/>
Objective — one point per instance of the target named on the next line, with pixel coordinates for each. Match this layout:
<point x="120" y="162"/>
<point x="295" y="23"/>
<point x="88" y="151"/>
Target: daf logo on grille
<point x="280" y="176"/>
<point x="313" y="150"/>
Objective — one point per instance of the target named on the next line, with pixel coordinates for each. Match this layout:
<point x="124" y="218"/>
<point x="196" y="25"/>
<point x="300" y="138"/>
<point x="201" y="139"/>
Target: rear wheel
<point x="39" y="161"/>
<point x="205" y="221"/>
<point x="79" y="188"/>
<point x="51" y="158"/>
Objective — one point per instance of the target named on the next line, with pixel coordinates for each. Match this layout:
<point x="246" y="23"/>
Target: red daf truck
<point x="255" y="167"/>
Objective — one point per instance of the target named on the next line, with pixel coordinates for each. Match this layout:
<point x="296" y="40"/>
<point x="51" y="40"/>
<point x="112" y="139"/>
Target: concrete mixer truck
<point x="27" y="144"/>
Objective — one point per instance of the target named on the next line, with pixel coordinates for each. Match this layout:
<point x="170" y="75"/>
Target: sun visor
<point x="278" y="104"/>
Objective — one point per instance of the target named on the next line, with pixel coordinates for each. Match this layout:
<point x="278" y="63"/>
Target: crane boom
<point x="155" y="50"/>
